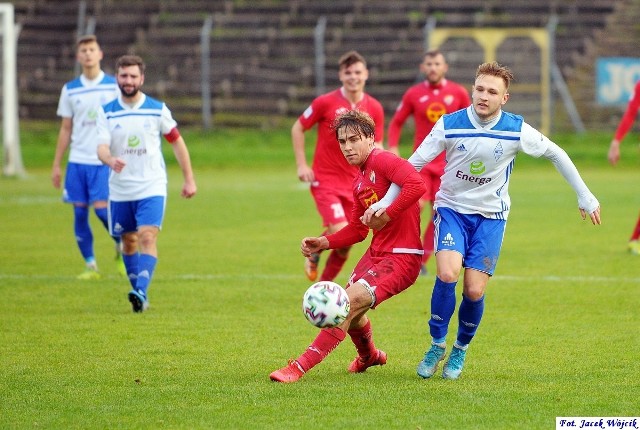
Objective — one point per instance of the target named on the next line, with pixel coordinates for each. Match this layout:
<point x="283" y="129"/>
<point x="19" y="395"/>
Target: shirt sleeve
<point x="65" y="109"/>
<point x="397" y="121"/>
<point x="564" y="165"/>
<point x="629" y="115"/>
<point x="167" y="121"/>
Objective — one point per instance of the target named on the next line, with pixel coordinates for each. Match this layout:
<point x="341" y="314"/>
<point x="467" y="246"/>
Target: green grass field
<point x="559" y="336"/>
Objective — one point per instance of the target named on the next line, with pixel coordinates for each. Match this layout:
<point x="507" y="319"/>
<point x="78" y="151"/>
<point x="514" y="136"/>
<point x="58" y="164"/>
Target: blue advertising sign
<point x="615" y="79"/>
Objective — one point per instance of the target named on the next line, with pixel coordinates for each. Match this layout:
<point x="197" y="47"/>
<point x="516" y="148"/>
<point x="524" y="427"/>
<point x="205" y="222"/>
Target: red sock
<point x="427" y="242"/>
<point x="333" y="266"/>
<point x="326" y="341"/>
<point x="362" y="338"/>
<point x="636" y="231"/>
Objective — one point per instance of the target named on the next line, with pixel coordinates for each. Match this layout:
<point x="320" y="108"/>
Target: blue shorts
<point x="86" y="183"/>
<point x="476" y="238"/>
<point x="127" y="217"/>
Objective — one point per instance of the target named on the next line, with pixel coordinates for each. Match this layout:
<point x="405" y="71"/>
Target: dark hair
<point x="87" y="38"/>
<point x="356" y="121"/>
<point x="433" y="53"/>
<point x="350" y="58"/>
<point x="496" y="69"/>
<point x="130" y="60"/>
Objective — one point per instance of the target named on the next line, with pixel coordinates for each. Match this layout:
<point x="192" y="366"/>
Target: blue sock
<point x="443" y="304"/>
<point x="131" y="264"/>
<point x="146" y="266"/>
<point x="469" y="316"/>
<point x="84" y="237"/>
<point x="103" y="216"/>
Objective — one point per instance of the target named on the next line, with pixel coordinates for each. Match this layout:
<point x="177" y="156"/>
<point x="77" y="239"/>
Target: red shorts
<point x="386" y="273"/>
<point x="334" y="206"/>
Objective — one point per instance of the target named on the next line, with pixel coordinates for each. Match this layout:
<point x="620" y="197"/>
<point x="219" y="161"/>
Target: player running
<point x="390" y="265"/>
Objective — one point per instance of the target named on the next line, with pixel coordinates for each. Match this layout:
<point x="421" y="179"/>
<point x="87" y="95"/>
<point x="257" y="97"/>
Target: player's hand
<point x="614" y="152"/>
<point x="189" y="189"/>
<point x="55" y="177"/>
<point x="377" y="221"/>
<point x="595" y="216"/>
<point x="312" y="245"/>
<point x="370" y="213"/>
<point x="305" y="174"/>
<point x="117" y="164"/>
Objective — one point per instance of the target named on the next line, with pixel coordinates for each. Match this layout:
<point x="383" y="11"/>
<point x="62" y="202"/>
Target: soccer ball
<point x="325" y="304"/>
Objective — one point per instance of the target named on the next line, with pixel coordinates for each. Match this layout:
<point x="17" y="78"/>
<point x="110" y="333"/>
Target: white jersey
<point x="134" y="135"/>
<point x="80" y="100"/>
<point x="480" y="160"/>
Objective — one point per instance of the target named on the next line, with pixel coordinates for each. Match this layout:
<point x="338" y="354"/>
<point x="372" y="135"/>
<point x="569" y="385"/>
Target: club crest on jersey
<point x="448" y="99"/>
<point x="372" y="177"/>
<point x="498" y="151"/>
<point x="373" y="197"/>
<point x="341" y="110"/>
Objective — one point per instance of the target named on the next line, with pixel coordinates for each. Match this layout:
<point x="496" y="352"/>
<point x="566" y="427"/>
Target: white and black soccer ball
<point x="325" y="304"/>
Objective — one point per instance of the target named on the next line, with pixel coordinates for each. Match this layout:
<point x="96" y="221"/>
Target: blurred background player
<point x="129" y="142"/>
<point x="614" y="153"/>
<point x="390" y="265"/>
<point x="427" y="102"/>
<point x="331" y="176"/>
<point x="86" y="179"/>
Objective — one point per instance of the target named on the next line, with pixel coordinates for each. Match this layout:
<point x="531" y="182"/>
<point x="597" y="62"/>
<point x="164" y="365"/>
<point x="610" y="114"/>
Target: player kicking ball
<point x="390" y="265"/>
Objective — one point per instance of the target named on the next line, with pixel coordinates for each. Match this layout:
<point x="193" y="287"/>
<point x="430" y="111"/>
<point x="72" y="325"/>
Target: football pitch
<point x="559" y="337"/>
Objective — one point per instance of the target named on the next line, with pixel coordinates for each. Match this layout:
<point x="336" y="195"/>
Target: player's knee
<point x="448" y="275"/>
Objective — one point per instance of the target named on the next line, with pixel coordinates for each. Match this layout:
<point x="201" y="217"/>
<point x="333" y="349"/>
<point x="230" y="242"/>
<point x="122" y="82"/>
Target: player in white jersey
<point x="473" y="204"/>
<point x="129" y="142"/>
<point x="86" y="178"/>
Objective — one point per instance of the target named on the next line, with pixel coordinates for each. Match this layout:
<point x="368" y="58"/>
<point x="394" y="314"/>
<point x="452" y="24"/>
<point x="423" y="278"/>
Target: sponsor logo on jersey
<point x="373" y="197"/>
<point x="476" y="169"/>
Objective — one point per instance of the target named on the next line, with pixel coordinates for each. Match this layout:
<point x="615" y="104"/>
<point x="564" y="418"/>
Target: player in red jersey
<point x="427" y="102"/>
<point x="331" y="176"/>
<point x="614" y="154"/>
<point x="390" y="265"/>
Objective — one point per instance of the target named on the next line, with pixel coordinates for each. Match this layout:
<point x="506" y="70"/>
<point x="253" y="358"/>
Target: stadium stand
<point x="262" y="52"/>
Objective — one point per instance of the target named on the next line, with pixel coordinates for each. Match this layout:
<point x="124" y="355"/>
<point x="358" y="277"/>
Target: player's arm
<point x="305" y="174"/>
<point x="395" y="126"/>
<point x="625" y="125"/>
<point x="430" y="148"/>
<point x="64" y="139"/>
<point x="181" y="153"/>
<point x="587" y="202"/>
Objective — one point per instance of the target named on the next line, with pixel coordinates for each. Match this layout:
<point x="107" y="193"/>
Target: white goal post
<point x="12" y="162"/>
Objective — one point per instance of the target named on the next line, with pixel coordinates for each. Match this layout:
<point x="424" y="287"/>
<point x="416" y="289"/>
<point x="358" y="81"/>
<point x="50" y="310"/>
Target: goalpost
<point x="12" y="162"/>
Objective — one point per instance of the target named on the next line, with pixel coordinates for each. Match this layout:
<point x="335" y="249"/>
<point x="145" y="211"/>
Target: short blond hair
<point x="496" y="69"/>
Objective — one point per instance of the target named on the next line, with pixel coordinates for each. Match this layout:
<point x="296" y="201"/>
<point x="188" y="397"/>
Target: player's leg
<point x="122" y="223"/>
<point x="634" y="240"/>
<point x="75" y="192"/>
<point x="480" y="262"/>
<point x="390" y="274"/>
<point x="327" y="340"/>
<point x="98" y="188"/>
<point x="432" y="180"/>
<point x="148" y="217"/>
<point x="450" y="248"/>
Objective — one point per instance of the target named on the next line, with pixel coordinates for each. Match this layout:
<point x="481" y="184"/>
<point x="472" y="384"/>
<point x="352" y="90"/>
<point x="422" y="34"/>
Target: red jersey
<point x="427" y="103"/>
<point x="630" y="114"/>
<point x="330" y="168"/>
<point x="402" y="233"/>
